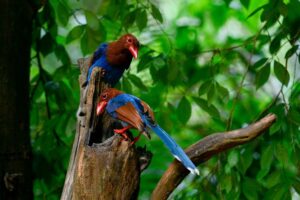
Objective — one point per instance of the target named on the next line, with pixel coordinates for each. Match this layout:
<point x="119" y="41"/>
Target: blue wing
<point x="112" y="74"/>
<point x="99" y="52"/>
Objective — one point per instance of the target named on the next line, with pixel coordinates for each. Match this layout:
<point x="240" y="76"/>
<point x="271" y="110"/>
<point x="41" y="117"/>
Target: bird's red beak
<point x="134" y="51"/>
<point x="101" y="107"/>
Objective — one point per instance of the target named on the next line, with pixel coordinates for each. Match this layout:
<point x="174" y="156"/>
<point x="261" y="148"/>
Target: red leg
<point x="123" y="132"/>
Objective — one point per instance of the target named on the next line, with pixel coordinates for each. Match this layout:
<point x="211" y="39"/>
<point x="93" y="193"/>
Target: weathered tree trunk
<point x="101" y="165"/>
<point x="15" y="150"/>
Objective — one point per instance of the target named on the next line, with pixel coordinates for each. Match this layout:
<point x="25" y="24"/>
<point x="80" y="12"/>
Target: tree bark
<point x="15" y="151"/>
<point x="101" y="165"/>
<point x="205" y="149"/>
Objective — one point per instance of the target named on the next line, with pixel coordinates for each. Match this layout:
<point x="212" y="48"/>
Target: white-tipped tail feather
<point x="194" y="171"/>
<point x="175" y="149"/>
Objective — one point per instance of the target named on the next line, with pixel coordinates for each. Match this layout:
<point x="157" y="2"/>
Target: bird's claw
<point x="119" y="131"/>
<point x="122" y="133"/>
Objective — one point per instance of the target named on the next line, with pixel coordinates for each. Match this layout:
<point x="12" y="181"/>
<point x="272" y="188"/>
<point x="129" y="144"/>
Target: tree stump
<point x="102" y="166"/>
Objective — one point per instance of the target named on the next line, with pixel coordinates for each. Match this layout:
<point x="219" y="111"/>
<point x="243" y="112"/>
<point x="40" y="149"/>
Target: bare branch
<point x="205" y="149"/>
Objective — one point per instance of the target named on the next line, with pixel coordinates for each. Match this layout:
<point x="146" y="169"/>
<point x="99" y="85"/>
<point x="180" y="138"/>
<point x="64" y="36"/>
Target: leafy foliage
<point x="204" y="66"/>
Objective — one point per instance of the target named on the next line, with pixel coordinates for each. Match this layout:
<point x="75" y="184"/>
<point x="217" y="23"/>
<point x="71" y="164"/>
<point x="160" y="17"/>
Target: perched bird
<point x="114" y="58"/>
<point x="135" y="113"/>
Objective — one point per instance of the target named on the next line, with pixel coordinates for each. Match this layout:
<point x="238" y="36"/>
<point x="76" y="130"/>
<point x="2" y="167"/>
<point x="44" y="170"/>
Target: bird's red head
<point x="130" y="42"/>
<point x="105" y="96"/>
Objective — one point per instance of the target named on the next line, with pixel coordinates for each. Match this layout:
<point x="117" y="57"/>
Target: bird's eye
<point x="104" y="96"/>
<point x="129" y="40"/>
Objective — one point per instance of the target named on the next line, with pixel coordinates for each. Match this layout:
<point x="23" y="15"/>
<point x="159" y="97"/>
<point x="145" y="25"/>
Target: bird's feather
<point x="129" y="114"/>
<point x="137" y="113"/>
<point x="176" y="150"/>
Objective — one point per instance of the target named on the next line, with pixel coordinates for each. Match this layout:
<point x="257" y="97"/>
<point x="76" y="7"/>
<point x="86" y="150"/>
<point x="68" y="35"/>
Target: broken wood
<point x="101" y="166"/>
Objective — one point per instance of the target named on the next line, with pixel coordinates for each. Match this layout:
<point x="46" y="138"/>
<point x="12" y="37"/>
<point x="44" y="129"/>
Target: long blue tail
<point x="175" y="149"/>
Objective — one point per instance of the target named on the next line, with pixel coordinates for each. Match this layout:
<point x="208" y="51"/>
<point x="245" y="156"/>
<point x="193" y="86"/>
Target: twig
<point x="229" y="121"/>
<point x="262" y="113"/>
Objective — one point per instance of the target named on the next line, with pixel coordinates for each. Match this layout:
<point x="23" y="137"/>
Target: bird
<point x="114" y="58"/>
<point x="135" y="113"/>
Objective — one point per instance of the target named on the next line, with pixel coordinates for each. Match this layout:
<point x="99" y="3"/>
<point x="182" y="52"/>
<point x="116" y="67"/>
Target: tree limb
<point x="205" y="149"/>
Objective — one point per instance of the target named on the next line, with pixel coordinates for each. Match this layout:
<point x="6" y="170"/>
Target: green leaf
<point x="62" y="13"/>
<point x="296" y="185"/>
<point x="259" y="63"/>
<point x="265" y="162"/>
<point x="47" y="44"/>
<point x="209" y="108"/>
<point x="273" y="179"/>
<point x="245" y="160"/>
<point x="126" y="86"/>
<point x="281" y="154"/>
<point x="144" y="62"/>
<point x="294" y="116"/>
<point x="262" y="75"/>
<point x="75" y="33"/>
<point x="271" y="21"/>
<point x="275" y="44"/>
<point x="255" y="11"/>
<point x="92" y="20"/>
<point x="280" y="191"/>
<point x="211" y="93"/>
<point x="156" y="13"/>
<point x="282" y="8"/>
<point x="137" y="82"/>
<point x="263" y="39"/>
<point x="291" y="51"/>
<point x="84" y="44"/>
<point x="250" y="187"/>
<point x="184" y="110"/>
<point x="245" y="3"/>
<point x="269" y="13"/>
<point x="62" y="55"/>
<point x="233" y="158"/>
<point x="226" y="182"/>
<point x="223" y="92"/>
<point x="281" y="73"/>
<point x="129" y="19"/>
<point x="141" y="19"/>
<point x="227" y="2"/>
<point x="205" y="87"/>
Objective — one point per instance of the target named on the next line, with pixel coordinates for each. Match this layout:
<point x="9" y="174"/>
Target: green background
<point x="204" y="67"/>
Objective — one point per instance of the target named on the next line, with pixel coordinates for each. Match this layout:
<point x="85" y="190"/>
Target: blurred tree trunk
<point x="15" y="150"/>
